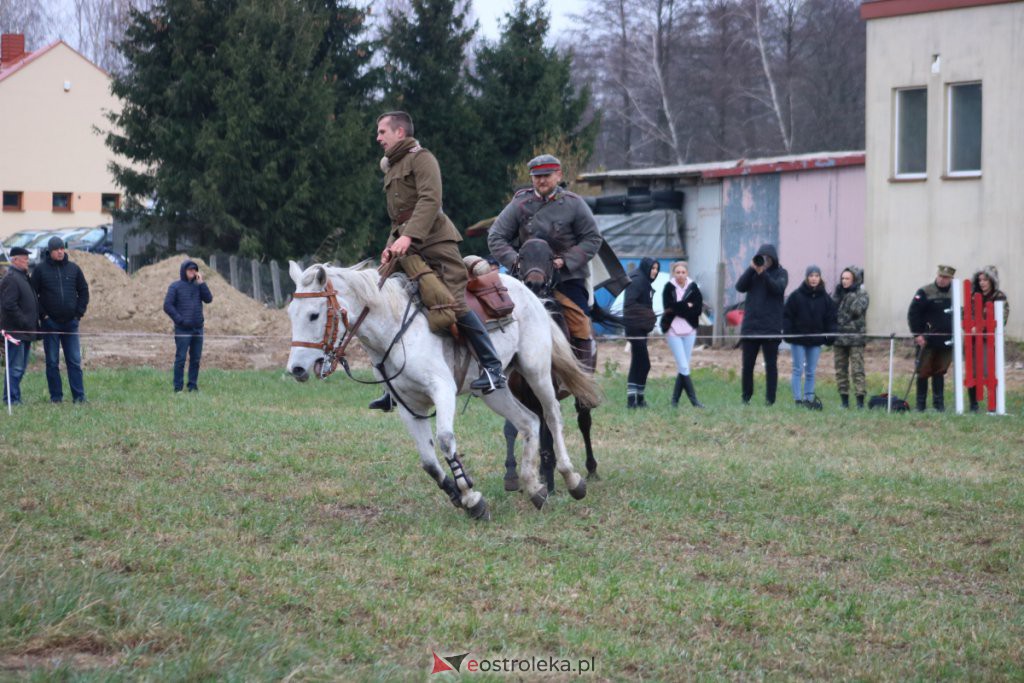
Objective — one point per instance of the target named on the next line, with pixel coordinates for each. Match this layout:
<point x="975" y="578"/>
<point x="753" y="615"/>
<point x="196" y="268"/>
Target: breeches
<point x="444" y="259"/>
<point x="576" y="320"/>
<point x="934" y="362"/>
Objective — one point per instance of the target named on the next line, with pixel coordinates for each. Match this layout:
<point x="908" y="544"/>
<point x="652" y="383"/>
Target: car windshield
<point x="90" y="237"/>
<point x="20" y="239"/>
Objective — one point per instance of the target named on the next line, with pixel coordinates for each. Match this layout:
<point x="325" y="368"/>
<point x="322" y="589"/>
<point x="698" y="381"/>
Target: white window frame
<point x="896" y="135"/>
<point x="950" y="173"/>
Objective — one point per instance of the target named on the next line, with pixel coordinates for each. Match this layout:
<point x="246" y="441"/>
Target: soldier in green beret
<point x="412" y="186"/>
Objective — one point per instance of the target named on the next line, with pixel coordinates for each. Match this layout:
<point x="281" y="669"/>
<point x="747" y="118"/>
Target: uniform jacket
<point x="809" y="310"/>
<point x="184" y="300"/>
<point x="927" y="315"/>
<point x="563" y="219"/>
<point x="18" y="305"/>
<point x="62" y="289"/>
<point x="996" y="294"/>
<point x="638" y="301"/>
<point x="762" y="309"/>
<point x="852" y="310"/>
<point x="412" y="183"/>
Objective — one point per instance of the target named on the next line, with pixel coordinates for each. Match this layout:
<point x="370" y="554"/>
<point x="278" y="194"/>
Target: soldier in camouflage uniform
<point x="412" y="186"/>
<point x="563" y="219"/>
<point x="931" y="322"/>
<point x="852" y="301"/>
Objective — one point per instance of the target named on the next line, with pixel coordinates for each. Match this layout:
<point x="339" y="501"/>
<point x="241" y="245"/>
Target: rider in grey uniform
<point x="563" y="219"/>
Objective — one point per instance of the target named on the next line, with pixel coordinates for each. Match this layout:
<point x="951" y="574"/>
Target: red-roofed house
<point x="53" y="163"/>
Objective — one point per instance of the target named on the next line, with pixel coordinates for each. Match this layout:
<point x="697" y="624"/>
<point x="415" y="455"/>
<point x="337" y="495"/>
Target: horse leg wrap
<point x="458" y="472"/>
<point x="454" y="495"/>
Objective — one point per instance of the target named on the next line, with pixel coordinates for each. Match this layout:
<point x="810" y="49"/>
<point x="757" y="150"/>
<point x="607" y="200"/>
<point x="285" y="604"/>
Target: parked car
<point x="21" y="238"/>
<point x="99" y="240"/>
<point x="38" y="245"/>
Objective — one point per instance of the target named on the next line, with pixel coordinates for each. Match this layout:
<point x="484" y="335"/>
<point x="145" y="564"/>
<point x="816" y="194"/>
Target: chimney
<point x="12" y="48"/>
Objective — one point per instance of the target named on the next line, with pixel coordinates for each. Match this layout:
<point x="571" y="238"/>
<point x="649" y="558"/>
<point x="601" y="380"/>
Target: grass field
<point x="266" y="530"/>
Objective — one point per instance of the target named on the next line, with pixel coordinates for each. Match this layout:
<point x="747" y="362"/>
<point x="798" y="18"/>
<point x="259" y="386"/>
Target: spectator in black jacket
<point x="683" y="303"/>
<point x="184" y="304"/>
<point x="19" y="318"/>
<point x="764" y="282"/>
<point x="638" y="312"/>
<point x="931" y="322"/>
<point x="63" y="298"/>
<point x="809" y="321"/>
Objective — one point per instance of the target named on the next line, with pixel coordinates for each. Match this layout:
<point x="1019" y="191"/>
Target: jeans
<point x="682" y="349"/>
<point x="56" y="336"/>
<point x="17" y="360"/>
<point x="770" y="349"/>
<point x="189" y="341"/>
<point x="805" y="365"/>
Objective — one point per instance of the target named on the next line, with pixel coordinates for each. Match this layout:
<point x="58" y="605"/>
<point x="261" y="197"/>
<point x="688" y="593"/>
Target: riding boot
<point x="491" y="376"/>
<point x="922" y="394"/>
<point x="938" y="391"/>
<point x="385" y="403"/>
<point x="691" y="393"/>
<point x="677" y="391"/>
<point x="845" y="400"/>
<point x="972" y="396"/>
<point x="860" y="401"/>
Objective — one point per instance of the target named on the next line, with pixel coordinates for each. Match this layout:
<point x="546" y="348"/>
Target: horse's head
<point x="536" y="267"/>
<point x="315" y="313"/>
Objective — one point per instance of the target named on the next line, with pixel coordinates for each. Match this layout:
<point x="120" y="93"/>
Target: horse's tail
<point x="569" y="373"/>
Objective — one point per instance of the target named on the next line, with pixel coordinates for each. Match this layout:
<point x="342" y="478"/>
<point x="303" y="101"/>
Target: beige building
<point x="53" y="163"/>
<point x="944" y="148"/>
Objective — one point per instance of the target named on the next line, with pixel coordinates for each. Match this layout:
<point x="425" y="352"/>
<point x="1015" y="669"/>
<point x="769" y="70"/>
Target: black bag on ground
<point x="882" y="401"/>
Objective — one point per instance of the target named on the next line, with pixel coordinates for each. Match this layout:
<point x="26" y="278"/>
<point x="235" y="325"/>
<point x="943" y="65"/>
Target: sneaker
<point x="814" y="404"/>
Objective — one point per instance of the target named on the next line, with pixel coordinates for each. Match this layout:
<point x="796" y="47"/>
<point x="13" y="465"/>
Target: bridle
<point x="336" y="313"/>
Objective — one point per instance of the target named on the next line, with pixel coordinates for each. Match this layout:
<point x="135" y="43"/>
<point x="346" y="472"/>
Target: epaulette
<point x="521" y="192"/>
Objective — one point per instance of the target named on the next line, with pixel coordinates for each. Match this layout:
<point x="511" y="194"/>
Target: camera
<point x="759" y="260"/>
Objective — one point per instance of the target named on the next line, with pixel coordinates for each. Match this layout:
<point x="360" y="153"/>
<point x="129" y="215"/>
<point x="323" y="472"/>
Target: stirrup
<point x="488" y="382"/>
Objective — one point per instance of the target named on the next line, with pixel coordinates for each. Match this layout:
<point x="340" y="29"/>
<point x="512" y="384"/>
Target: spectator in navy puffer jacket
<point x="184" y="304"/>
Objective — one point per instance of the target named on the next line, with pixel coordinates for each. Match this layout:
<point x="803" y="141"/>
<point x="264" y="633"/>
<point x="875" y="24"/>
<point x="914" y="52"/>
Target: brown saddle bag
<point x="492" y="295"/>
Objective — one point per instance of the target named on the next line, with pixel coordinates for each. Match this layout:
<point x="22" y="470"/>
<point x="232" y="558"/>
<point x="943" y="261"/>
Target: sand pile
<point x="136" y="304"/>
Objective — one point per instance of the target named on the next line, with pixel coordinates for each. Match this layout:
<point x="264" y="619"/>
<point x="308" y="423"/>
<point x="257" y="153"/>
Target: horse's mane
<point x="363" y="284"/>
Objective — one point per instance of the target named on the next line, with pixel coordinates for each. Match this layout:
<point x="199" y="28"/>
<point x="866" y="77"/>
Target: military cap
<point x="947" y="271"/>
<point x="19" y="251"/>
<point x="545" y="164"/>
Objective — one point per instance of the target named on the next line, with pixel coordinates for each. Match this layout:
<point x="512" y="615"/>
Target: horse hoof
<point x="580" y="491"/>
<point x="480" y="511"/>
<point x="593" y="476"/>
<point x="538" y="499"/>
<point x="512" y="482"/>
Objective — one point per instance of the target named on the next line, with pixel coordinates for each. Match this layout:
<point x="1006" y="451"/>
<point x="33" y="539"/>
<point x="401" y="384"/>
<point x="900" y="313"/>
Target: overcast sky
<point x="489" y="11"/>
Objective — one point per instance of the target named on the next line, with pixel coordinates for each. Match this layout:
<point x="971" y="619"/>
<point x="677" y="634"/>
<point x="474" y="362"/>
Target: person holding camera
<point x="184" y="305"/>
<point x="764" y="282"/>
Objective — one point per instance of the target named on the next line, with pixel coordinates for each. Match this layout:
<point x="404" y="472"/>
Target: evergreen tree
<point x="425" y="75"/>
<point x="240" y="127"/>
<point x="526" y="90"/>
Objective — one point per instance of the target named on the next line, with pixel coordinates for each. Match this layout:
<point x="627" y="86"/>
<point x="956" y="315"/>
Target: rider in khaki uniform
<point x="412" y="186"/>
<point x="564" y="220"/>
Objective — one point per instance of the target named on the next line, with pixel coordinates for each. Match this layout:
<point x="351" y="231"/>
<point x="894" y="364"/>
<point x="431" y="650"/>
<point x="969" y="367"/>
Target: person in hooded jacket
<point x="184" y="305"/>
<point x="63" y="298"/>
<point x="638" y="313"/>
<point x="764" y="282"/>
<point x="986" y="283"/>
<point x="808" y="321"/>
<point x="851" y="298"/>
<point x="682" y="302"/>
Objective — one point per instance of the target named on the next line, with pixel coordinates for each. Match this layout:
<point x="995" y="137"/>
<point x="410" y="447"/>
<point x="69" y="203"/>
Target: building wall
<point x="821" y="221"/>
<point x="48" y="143"/>
<point x="750" y="218"/>
<point x="913" y="226"/>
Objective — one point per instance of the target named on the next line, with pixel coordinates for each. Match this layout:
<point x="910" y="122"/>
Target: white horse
<point x="420" y="368"/>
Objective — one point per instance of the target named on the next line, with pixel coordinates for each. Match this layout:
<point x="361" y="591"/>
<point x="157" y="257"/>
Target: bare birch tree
<point x="96" y="26"/>
<point x="28" y="17"/>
